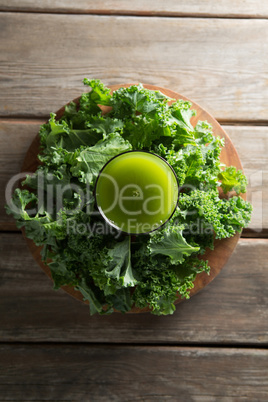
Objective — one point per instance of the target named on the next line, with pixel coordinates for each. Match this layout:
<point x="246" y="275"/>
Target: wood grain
<point x="251" y="142"/>
<point x="15" y="139"/>
<point x="252" y="147"/>
<point x="223" y="249"/>
<point x="231" y="310"/>
<point x="116" y="373"/>
<point x="219" y="63"/>
<point x="221" y="8"/>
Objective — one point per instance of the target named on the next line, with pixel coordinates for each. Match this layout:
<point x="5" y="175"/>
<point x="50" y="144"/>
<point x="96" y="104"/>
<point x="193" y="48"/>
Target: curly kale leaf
<point x="169" y="241"/>
<point x="105" y="125"/>
<point x="126" y="102"/>
<point x="18" y="204"/>
<point x="204" y="209"/>
<point x="160" y="282"/>
<point x="141" y="132"/>
<point x="145" y="113"/>
<point x="118" y="263"/>
<point x="157" y="291"/>
<point x="197" y="164"/>
<point x="95" y="305"/>
<point x="58" y="134"/>
<point x="233" y="179"/>
<point x="182" y="113"/>
<point x="121" y="300"/>
<point x="107" y="262"/>
<point x="90" y="160"/>
<point x="99" y="94"/>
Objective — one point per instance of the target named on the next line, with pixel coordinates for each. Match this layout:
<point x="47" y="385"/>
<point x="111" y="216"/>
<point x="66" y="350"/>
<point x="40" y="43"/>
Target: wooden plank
<point x="116" y="373"/>
<point x="233" y="309"/>
<point x="221" y="8"/>
<point x="45" y="57"/>
<point x="251" y="143"/>
<point x="15" y="139"/>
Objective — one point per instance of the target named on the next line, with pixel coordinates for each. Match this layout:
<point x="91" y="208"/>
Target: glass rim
<point x="108" y="220"/>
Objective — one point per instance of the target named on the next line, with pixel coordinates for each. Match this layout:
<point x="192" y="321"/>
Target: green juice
<point x="136" y="192"/>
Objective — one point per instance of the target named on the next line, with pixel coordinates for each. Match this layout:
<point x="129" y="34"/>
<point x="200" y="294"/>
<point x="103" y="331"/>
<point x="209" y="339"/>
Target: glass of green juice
<point x="136" y="192"/>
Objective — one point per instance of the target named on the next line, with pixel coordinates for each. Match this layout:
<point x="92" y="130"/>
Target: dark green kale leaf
<point x="118" y="263"/>
<point x="90" y="160"/>
<point x="160" y="282"/>
<point x="105" y="125"/>
<point x="141" y="132"/>
<point x="145" y="114"/>
<point x="169" y="241"/>
<point x="96" y="306"/>
<point x="121" y="300"/>
<point x="57" y="134"/>
<point x="61" y="275"/>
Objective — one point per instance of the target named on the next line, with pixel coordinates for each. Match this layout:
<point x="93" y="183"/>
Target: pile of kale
<point x="114" y="270"/>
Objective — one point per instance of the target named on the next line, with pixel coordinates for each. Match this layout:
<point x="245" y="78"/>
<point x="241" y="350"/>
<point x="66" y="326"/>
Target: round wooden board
<point x="222" y="248"/>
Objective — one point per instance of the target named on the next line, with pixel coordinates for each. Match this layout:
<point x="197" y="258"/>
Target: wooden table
<point x="214" y="347"/>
